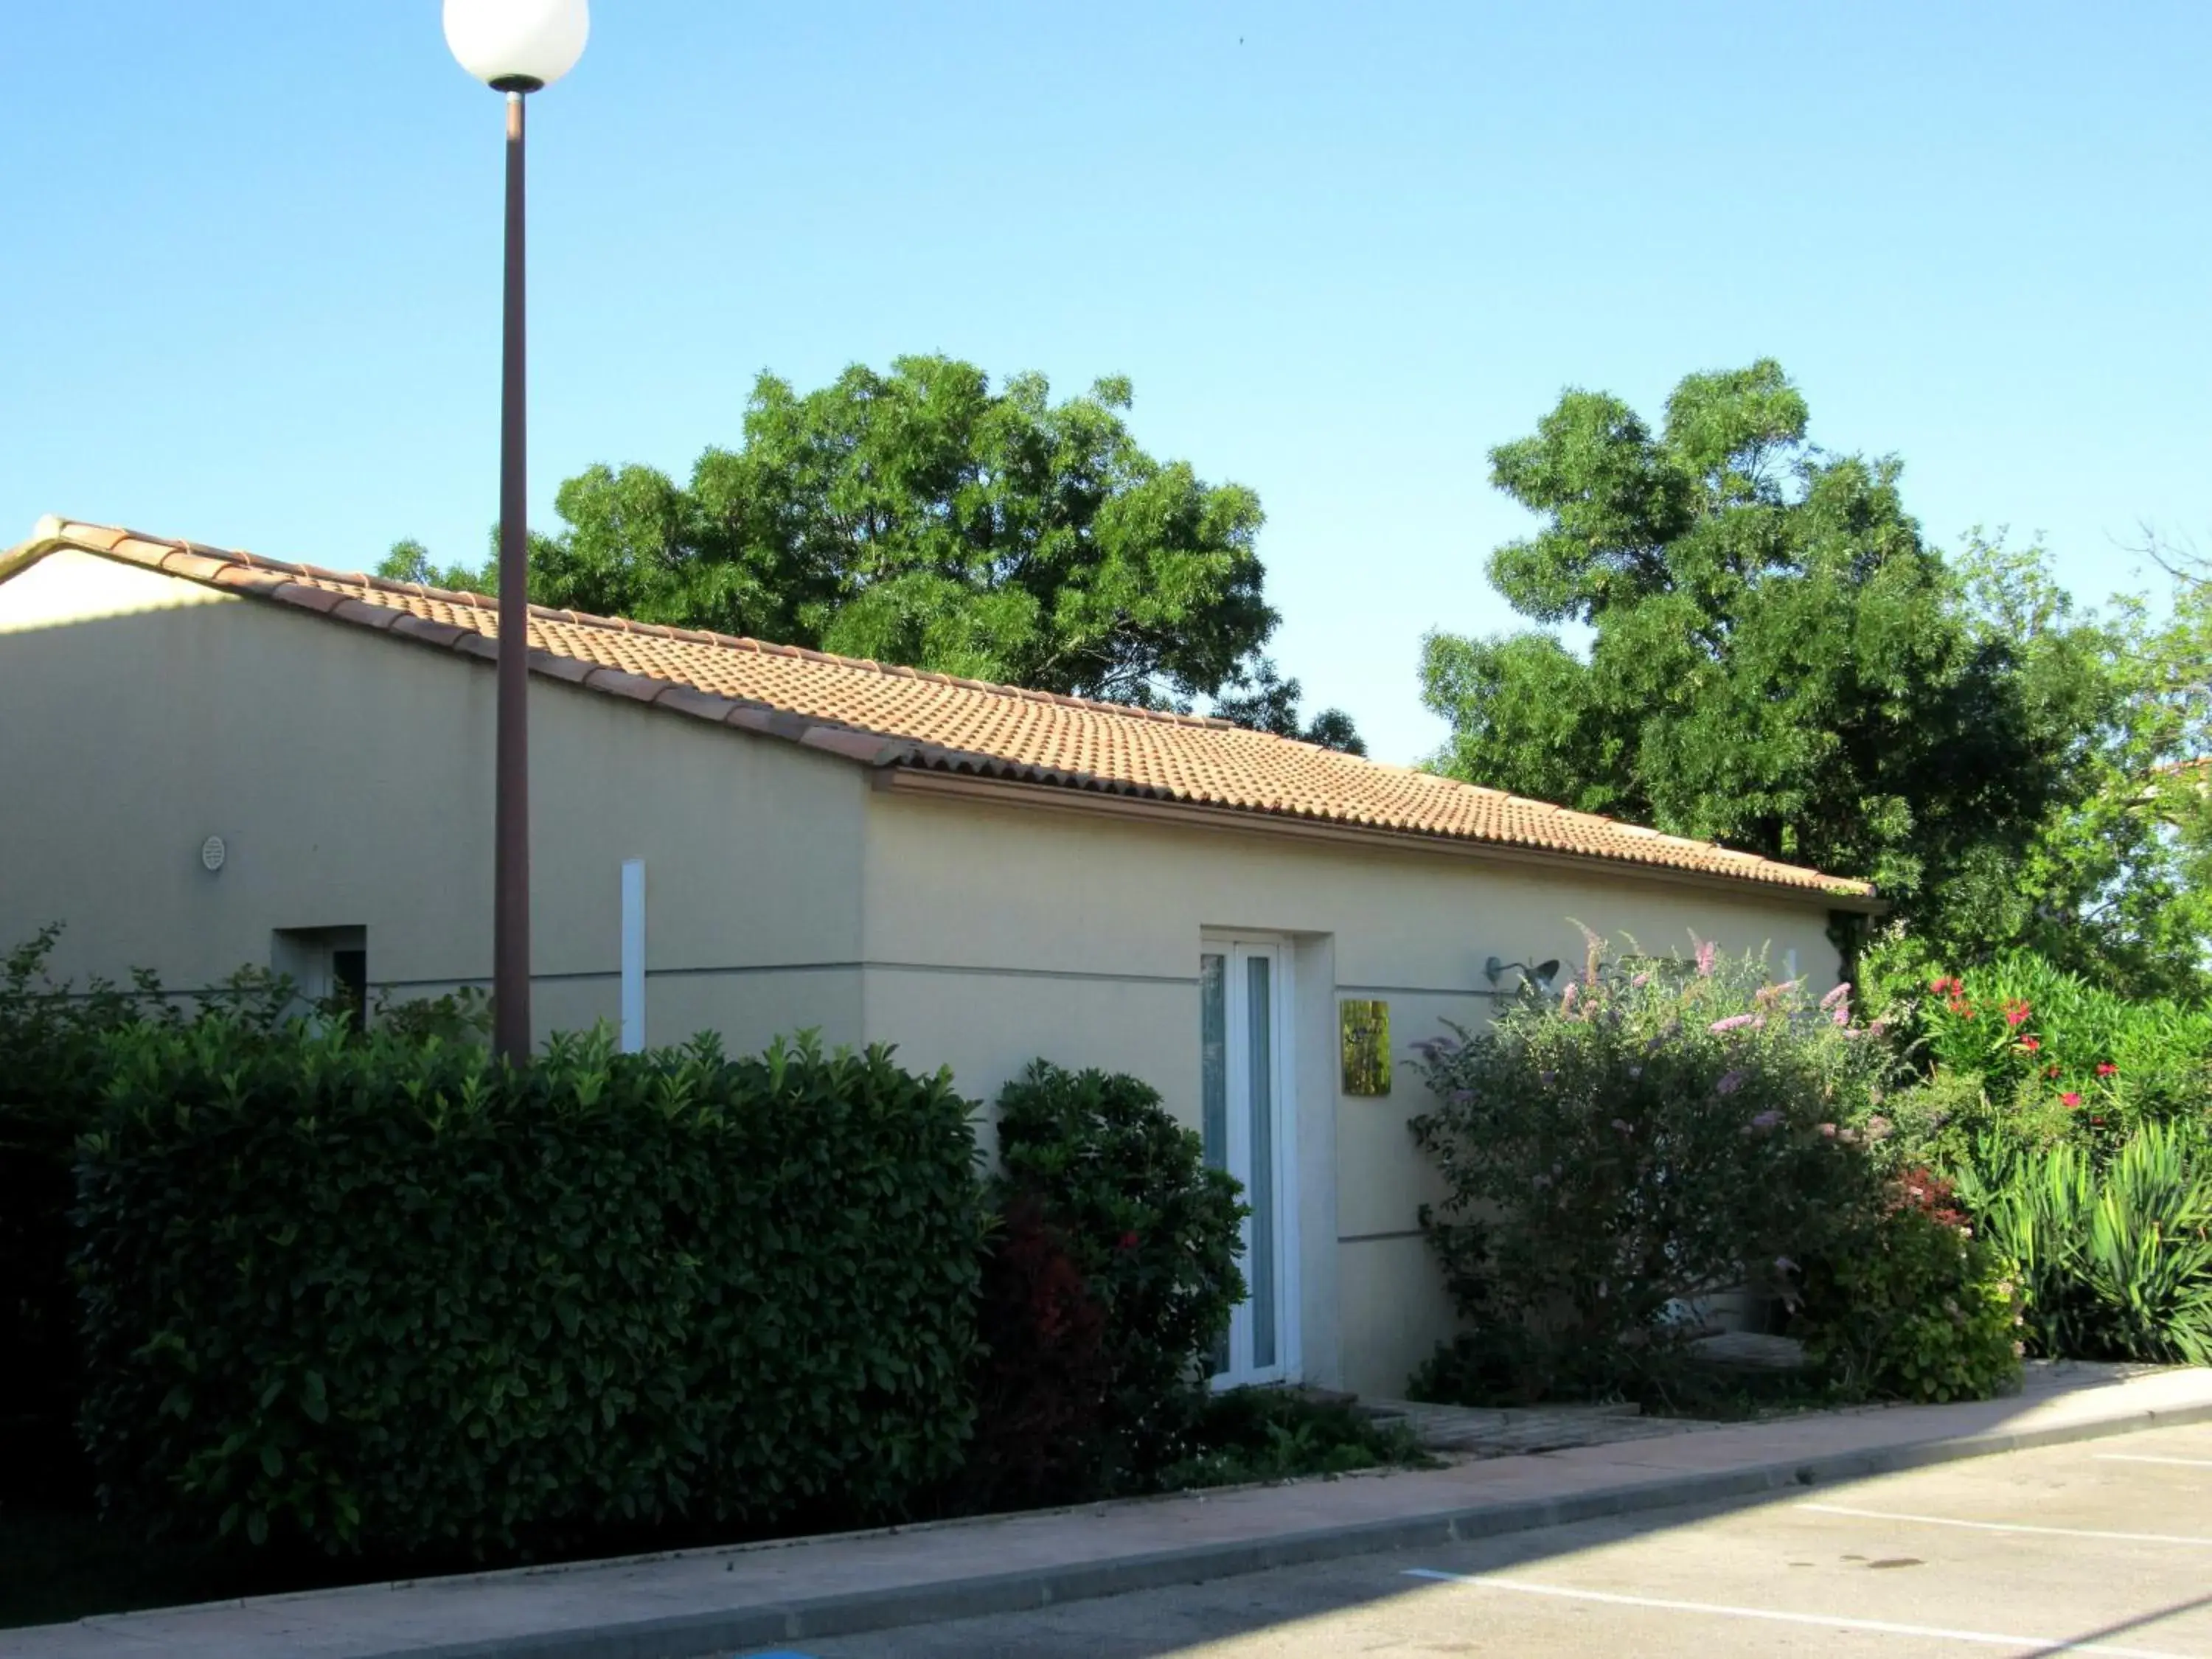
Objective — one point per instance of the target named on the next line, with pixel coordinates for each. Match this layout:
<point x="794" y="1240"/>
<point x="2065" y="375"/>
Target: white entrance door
<point x="1244" y="995"/>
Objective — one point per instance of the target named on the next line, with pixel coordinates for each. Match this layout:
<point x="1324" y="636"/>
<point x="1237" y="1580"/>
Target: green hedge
<point x="53" y="1069"/>
<point x="387" y="1296"/>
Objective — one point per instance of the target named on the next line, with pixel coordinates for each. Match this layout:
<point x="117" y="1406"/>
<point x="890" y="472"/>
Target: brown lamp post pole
<point x="510" y="919"/>
<point x="516" y="47"/>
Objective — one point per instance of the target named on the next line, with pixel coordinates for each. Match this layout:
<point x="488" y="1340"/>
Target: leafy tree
<point x="1263" y="699"/>
<point x="2177" y="672"/>
<point x="2114" y="883"/>
<point x="1777" y="660"/>
<point x="411" y="562"/>
<point x="921" y="517"/>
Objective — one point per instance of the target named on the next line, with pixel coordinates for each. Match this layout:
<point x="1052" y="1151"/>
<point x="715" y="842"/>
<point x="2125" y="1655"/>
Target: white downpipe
<point x="633" y="955"/>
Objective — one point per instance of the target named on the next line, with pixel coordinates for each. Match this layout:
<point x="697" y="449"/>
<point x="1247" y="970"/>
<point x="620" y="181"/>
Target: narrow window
<point x="1260" y="1033"/>
<point x="1242" y="987"/>
<point x="1213" y="1055"/>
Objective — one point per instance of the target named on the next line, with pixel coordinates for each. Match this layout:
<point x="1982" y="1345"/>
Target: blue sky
<point x="253" y="283"/>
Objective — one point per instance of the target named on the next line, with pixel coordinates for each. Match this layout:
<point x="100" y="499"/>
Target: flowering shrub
<point x="1914" y="1306"/>
<point x="1153" y="1233"/>
<point x="2056" y="1057"/>
<point x="2078" y="1123"/>
<point x="1661" y="1132"/>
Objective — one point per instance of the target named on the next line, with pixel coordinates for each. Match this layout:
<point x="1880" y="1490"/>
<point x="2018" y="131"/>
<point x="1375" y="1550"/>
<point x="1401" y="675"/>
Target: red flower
<point x="2070" y="1098"/>
<point x="2105" y="1068"/>
<point x="2030" y="1043"/>
<point x="1128" y="1240"/>
<point x="2052" y="1071"/>
<point x="1929" y="1193"/>
<point x="2015" y="1012"/>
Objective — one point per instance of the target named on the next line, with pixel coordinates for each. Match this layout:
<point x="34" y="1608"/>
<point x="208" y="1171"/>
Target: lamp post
<point x="515" y="47"/>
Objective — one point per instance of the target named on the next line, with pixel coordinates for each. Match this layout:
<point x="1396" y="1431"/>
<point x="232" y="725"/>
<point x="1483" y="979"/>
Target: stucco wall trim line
<point x="1487" y="992"/>
<point x="856" y="965"/>
<point x="1085" y="975"/>
<point x="583" y="975"/>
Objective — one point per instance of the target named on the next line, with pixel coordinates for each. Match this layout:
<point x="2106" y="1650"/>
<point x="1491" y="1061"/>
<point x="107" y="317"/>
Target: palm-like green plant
<point x="2115" y="1258"/>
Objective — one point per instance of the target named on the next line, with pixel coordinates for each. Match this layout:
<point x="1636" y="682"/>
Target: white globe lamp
<point x="518" y="46"/>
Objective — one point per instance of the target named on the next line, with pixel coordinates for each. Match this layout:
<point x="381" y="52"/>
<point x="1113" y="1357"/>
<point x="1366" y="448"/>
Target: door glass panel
<point x="1260" y="1185"/>
<point x="1213" y="1081"/>
<point x="1213" y="1057"/>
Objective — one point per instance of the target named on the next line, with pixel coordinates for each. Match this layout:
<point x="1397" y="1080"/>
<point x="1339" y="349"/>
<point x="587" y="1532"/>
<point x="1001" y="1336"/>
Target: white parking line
<point x="2136" y="1457"/>
<point x="2011" y="1526"/>
<point x="1826" y="1621"/>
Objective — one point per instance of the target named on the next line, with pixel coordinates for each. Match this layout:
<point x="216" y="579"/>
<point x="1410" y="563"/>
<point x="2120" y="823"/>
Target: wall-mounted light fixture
<point x="1541" y="976"/>
<point x="212" y="854"/>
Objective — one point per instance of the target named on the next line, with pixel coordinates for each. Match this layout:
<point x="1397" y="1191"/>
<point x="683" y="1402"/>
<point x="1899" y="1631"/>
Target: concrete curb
<point x="693" y="1635"/>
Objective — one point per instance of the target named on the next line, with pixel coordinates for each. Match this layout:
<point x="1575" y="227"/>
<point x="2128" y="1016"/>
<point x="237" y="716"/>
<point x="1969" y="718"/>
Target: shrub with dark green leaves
<point x="51" y="1075"/>
<point x="1154" y="1233"/>
<point x="387" y="1295"/>
<point x="54" y="1067"/>
<point x="1914" y="1306"/>
<point x="1659" y="1132"/>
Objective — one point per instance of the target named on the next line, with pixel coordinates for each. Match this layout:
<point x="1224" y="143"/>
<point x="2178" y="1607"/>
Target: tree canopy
<point x="921" y="517"/>
<point x="2114" y="881"/>
<point x="1258" y="697"/>
<point x="1777" y="660"/>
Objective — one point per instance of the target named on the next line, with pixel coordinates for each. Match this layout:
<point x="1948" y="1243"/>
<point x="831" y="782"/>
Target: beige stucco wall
<point x="349" y="777"/>
<point x="994" y="934"/>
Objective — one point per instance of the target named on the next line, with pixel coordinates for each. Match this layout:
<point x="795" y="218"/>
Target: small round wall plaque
<point x="212" y="853"/>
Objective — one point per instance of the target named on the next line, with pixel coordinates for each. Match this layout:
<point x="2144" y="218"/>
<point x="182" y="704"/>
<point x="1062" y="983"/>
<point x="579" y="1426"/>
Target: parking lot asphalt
<point x="2099" y="1547"/>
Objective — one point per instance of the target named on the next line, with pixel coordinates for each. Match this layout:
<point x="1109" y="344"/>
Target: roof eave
<point x="47" y="535"/>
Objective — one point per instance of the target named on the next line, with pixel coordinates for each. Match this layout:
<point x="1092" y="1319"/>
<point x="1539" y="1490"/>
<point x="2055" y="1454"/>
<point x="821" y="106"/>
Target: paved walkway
<point x="1477" y="1431"/>
<point x="2101" y="1547"/>
<point x="715" y="1602"/>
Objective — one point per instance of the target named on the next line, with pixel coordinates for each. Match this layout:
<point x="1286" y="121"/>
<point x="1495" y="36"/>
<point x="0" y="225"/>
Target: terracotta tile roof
<point x="890" y="715"/>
